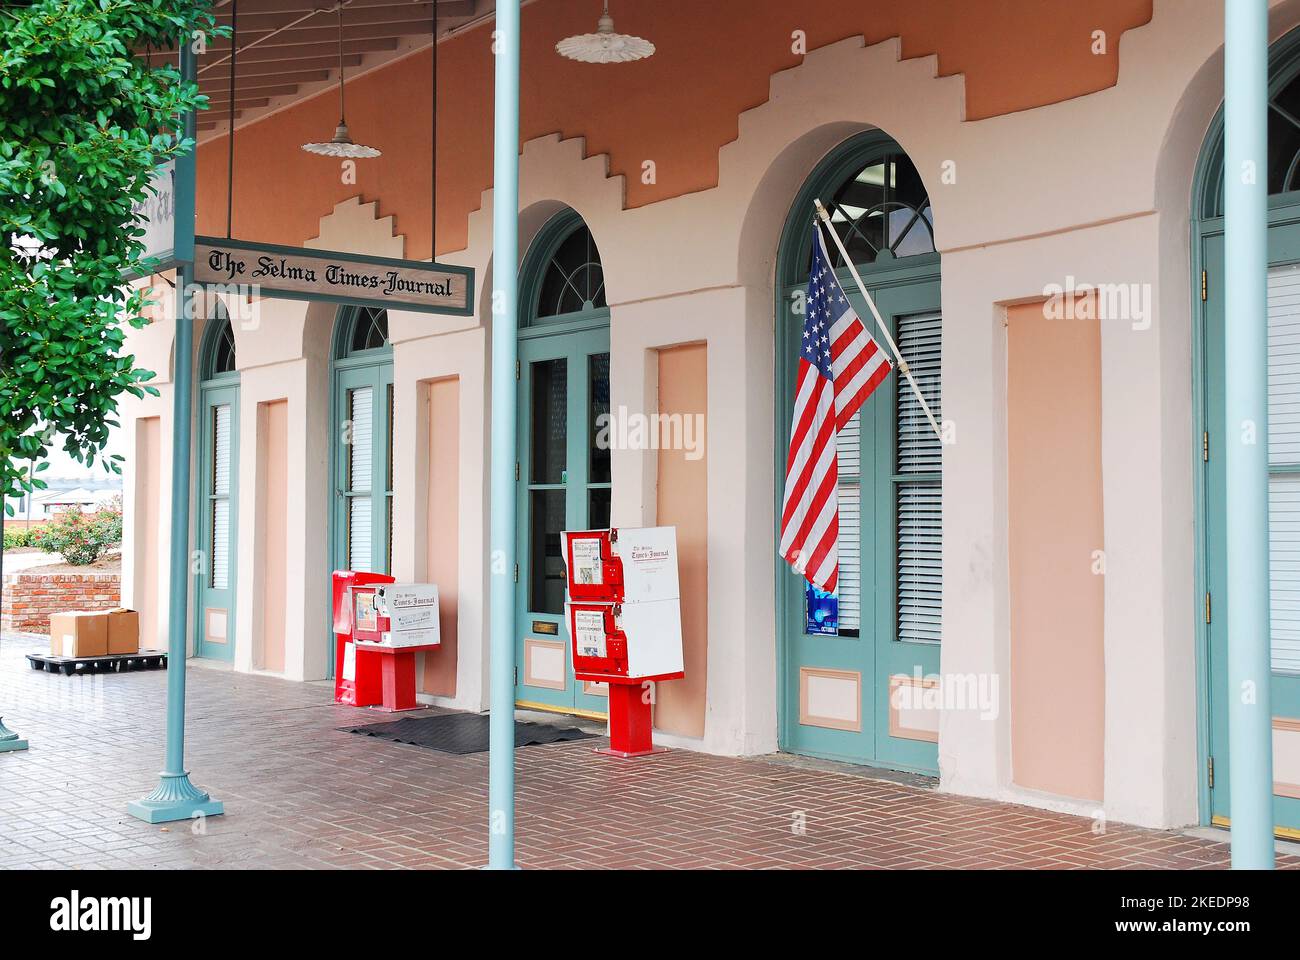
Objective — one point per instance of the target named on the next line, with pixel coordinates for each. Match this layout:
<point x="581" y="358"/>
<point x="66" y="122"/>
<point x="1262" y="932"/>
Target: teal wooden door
<point x="218" y="497"/>
<point x="890" y="494"/>
<point x="363" y="468"/>
<point x="1284" y="521"/>
<point x="563" y="484"/>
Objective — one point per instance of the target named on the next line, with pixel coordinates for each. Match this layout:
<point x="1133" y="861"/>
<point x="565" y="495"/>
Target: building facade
<point x="1028" y="606"/>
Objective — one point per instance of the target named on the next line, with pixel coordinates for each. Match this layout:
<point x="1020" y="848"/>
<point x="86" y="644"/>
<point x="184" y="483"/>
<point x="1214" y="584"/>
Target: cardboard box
<point x="123" y="631"/>
<point x="79" y="634"/>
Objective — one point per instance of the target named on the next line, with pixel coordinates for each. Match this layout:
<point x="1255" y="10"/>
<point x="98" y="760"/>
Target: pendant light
<point x="605" y="46"/>
<point x="341" y="145"/>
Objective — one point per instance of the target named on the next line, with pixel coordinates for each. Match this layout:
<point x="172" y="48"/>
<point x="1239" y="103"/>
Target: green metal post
<point x="175" y="798"/>
<point x="1245" y="188"/>
<point x="505" y="350"/>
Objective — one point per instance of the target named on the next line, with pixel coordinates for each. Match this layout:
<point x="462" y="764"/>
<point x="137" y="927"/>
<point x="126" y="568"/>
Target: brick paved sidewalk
<point x="301" y="793"/>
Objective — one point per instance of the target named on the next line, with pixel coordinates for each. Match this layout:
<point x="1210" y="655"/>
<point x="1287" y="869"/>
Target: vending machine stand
<point x="630" y="721"/>
<point x="397" y="675"/>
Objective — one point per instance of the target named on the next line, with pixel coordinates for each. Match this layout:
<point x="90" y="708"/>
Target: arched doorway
<point x="361" y="472"/>
<point x="217" y="490"/>
<point x="563" y="471"/>
<point x="840" y="658"/>
<point x="1283" y="444"/>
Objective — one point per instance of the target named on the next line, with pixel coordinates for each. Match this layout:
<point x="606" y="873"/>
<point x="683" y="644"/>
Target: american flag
<point x="839" y="365"/>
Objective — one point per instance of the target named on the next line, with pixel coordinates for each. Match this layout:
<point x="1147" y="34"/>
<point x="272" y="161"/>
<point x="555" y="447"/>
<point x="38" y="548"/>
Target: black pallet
<point x="109" y="663"/>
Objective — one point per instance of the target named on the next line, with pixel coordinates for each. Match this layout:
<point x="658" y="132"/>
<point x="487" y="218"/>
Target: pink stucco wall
<point x="273" y="452"/>
<point x="682" y="501"/>
<point x="443" y="398"/>
<point x="1055" y="528"/>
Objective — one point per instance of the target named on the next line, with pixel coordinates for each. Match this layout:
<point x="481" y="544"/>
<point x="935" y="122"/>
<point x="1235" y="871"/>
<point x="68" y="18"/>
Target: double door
<point x="856" y="689"/>
<point x="1283" y="524"/>
<point x="563" y="483"/>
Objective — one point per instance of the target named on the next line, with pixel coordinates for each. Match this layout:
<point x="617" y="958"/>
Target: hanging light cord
<point x="230" y="134"/>
<point x="433" y="147"/>
<point x="341" y="118"/>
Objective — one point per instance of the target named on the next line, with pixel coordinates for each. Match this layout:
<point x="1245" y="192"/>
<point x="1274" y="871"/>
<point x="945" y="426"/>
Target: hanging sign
<point x="300" y="274"/>
<point x="164" y="243"/>
<point x="159" y="212"/>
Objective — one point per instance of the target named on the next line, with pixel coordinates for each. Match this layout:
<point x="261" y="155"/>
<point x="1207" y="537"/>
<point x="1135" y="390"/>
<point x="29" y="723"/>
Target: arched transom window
<point x="369" y="330"/>
<point x="1283" y="137"/>
<point x="882" y="211"/>
<point x="573" y="281"/>
<point x="219" y="353"/>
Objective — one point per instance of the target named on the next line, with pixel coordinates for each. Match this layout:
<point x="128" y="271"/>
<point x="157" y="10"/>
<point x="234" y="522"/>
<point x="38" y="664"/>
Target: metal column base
<point x="175" y="798"/>
<point x="10" y="741"/>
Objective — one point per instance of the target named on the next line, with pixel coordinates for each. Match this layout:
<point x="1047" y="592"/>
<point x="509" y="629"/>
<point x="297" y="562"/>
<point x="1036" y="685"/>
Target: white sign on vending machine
<point x="649" y="556"/>
<point x="412" y="612"/>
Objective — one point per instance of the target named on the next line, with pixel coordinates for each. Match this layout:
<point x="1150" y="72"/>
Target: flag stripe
<point x="858" y="399"/>
<point x="816" y="458"/>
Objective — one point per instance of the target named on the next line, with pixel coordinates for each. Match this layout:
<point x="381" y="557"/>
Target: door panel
<point x="218" y="519"/>
<point x="836" y="688"/>
<point x="1284" y="521"/>
<point x="564" y="484"/>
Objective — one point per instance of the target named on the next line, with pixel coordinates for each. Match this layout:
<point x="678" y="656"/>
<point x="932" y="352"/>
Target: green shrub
<point x="80" y="538"/>
<point x="17" y="538"/>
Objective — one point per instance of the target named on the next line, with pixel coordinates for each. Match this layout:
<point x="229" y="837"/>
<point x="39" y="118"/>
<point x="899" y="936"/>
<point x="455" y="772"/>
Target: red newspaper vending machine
<point x="358" y="679"/>
<point x="394" y="622"/>
<point x="625" y="625"/>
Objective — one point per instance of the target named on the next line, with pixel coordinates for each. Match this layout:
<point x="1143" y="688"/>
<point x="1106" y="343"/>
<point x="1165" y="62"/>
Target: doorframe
<point x="531" y="328"/>
<point x="1204" y="223"/>
<point x="795" y="240"/>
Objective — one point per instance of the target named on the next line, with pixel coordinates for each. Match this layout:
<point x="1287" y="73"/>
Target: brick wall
<point x="30" y="598"/>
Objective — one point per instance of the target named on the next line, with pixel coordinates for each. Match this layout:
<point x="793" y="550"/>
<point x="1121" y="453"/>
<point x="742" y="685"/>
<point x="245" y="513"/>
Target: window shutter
<point x="919" y="450"/>
<point x="220" y="568"/>
<point x="1284" y="453"/>
<point x="221" y="450"/>
<point x="920" y="562"/>
<point x="920" y="500"/>
<point x="360" y="457"/>
<point x="849" y="591"/>
<point x="1284" y="570"/>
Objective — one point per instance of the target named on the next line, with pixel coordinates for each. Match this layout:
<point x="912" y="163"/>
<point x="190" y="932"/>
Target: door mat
<point x="463" y="733"/>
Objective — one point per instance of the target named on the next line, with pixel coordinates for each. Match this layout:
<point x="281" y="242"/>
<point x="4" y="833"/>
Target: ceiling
<point x="287" y="50"/>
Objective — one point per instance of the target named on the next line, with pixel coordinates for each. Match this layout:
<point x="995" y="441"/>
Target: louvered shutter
<point x="849" y="452"/>
<point x="1284" y="462"/>
<point x="220" y="568"/>
<point x="360" y="463"/>
<point x="919" y="508"/>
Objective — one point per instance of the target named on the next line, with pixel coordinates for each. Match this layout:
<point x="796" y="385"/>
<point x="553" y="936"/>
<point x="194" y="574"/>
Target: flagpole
<point x="862" y="288"/>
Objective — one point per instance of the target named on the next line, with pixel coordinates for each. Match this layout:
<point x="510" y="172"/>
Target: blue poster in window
<point x="823" y="612"/>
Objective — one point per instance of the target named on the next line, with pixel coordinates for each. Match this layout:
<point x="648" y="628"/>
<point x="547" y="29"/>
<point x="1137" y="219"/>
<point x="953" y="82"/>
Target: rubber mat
<point x="463" y="733"/>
